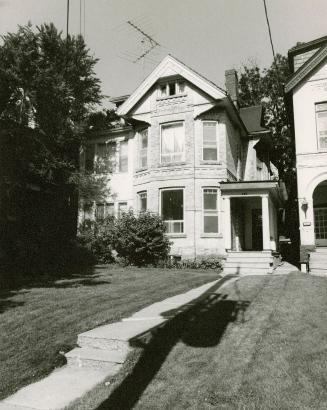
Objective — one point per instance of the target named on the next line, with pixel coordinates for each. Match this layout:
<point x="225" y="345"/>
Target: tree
<point x="47" y="90"/>
<point x="266" y="87"/>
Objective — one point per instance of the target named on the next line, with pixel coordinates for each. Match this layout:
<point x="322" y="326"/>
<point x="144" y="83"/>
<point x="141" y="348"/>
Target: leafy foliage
<point x="141" y="239"/>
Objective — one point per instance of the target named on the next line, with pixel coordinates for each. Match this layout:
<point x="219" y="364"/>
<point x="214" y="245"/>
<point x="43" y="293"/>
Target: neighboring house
<point x="306" y="93"/>
<point x="185" y="150"/>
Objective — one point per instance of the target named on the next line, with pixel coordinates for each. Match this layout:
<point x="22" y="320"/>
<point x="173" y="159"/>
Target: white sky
<point x="208" y="35"/>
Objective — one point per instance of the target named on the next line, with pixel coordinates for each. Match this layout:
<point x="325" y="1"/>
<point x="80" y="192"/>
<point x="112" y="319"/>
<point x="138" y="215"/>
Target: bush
<point x="97" y="237"/>
<point x="205" y="262"/>
<point x="140" y="239"/>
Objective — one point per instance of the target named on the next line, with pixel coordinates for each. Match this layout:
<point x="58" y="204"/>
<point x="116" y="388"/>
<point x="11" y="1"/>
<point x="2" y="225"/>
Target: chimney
<point x="231" y="83"/>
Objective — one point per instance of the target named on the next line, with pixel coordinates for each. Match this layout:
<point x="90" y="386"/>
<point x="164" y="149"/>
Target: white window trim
<point x="217" y="141"/>
<point x="118" y="143"/>
<point x="211" y="234"/>
<point x="178" y="234"/>
<point x="183" y="154"/>
<point x="317" y="131"/>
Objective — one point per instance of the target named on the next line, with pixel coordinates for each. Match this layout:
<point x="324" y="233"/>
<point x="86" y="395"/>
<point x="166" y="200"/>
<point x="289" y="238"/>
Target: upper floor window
<point x="142" y="199"/>
<point x="171" y="89"/>
<point x="210" y="141"/>
<point x="321" y="118"/>
<point x="123" y="156"/>
<point x="210" y="210"/>
<point x="105" y="157"/>
<point x="172" y="209"/>
<point x="143" y="149"/>
<point x="172" y="142"/>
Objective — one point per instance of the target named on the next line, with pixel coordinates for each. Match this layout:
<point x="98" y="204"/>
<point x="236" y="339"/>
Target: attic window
<point x="171" y="89"/>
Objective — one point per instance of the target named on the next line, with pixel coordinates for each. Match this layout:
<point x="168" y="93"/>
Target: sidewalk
<point x="100" y="353"/>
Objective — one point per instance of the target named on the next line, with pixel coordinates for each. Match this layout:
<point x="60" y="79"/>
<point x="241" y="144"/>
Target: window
<point x="104" y="210"/>
<point x="321" y="118"/>
<point x="172" y="210"/>
<point x="171" y="88"/>
<point x="143" y="149"/>
<point x="122" y="208"/>
<point x="210" y="210"/>
<point x="142" y="201"/>
<point x="105" y="157"/>
<point x="172" y="142"/>
<point x="123" y="156"/>
<point x="210" y="146"/>
<point x="259" y="169"/>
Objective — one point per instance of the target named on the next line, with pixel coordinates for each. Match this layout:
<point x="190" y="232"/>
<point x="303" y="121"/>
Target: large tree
<point x="47" y="90"/>
<point x="266" y="87"/>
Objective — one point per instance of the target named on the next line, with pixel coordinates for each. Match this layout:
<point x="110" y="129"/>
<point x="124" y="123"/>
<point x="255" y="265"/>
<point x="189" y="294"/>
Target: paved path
<point x="100" y="354"/>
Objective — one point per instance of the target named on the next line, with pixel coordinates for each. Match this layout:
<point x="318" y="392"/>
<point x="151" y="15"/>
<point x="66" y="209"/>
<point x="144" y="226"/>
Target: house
<point x="185" y="149"/>
<point x="306" y="93"/>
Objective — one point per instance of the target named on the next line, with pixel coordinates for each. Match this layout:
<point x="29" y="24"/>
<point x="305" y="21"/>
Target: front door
<point x="257" y="229"/>
<point x="321" y="226"/>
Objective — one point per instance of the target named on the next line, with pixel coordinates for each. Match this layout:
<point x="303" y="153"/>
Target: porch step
<point x="246" y="264"/>
<point x="249" y="254"/>
<point x="247" y="271"/>
<point x="320" y="250"/>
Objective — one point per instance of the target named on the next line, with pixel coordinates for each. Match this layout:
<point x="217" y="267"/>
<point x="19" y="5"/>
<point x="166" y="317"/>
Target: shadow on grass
<point x="199" y="324"/>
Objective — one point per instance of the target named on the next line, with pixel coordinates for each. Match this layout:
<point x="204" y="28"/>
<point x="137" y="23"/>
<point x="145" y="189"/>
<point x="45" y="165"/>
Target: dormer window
<point x="171" y="89"/>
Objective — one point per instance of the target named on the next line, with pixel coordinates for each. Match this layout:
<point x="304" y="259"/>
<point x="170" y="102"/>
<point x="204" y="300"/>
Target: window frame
<point x="166" y="85"/>
<point x="217" y="141"/>
<point x="206" y="212"/>
<point x="105" y="206"/>
<point x="319" y="148"/>
<point x="119" y="213"/>
<point x="139" y="200"/>
<point x="164" y="124"/>
<point x="161" y="190"/>
<point x="139" y="149"/>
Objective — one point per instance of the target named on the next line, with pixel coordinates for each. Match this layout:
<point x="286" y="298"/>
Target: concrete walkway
<point x="100" y="354"/>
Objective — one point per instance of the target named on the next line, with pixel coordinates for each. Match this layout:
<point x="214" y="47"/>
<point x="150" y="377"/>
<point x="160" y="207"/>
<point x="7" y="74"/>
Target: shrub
<point x="97" y="237"/>
<point x="205" y="262"/>
<point x="140" y="239"/>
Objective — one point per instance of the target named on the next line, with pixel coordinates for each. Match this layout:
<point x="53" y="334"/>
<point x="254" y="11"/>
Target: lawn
<point x="43" y="318"/>
<point x="256" y="343"/>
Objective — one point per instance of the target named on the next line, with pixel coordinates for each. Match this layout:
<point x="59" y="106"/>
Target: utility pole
<point x="67" y="30"/>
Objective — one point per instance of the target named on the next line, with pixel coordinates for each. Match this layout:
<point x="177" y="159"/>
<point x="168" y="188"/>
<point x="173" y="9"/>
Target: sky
<point x="207" y="35"/>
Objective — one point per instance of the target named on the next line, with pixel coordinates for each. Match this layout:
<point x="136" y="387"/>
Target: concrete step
<point x="321" y="250"/>
<point x="96" y="358"/>
<point x="249" y="254"/>
<point x="58" y="390"/>
<point x="251" y="259"/>
<point x="247" y="271"/>
<point x="318" y="265"/>
<point x="245" y="264"/>
<point x="318" y="272"/>
<point x="116" y="336"/>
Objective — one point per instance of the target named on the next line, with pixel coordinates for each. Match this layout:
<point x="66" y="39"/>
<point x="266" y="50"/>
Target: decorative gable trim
<point x="168" y="67"/>
<point x="306" y="69"/>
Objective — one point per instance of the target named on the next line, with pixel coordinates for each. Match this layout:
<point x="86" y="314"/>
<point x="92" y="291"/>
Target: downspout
<point x="194" y="186"/>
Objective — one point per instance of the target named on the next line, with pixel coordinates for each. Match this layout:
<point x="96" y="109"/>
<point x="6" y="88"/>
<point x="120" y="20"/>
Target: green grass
<point x="257" y="343"/>
<point x="43" y="318"/>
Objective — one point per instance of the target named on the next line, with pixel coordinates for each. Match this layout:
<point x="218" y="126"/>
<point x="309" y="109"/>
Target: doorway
<point x="257" y="230"/>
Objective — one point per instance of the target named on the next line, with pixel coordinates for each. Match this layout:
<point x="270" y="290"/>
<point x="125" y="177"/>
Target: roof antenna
<point x="148" y="43"/>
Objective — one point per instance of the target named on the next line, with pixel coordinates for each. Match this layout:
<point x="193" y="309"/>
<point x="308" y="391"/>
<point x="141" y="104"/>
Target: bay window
<point x="172" y="142"/>
<point x="105" y="157"/>
<point x="142" y="199"/>
<point x="210" y="210"/>
<point x="123" y="156"/>
<point x="210" y="141"/>
<point x="172" y="210"/>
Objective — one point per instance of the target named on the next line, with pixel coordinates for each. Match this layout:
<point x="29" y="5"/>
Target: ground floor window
<point x="172" y="210"/>
<point x="142" y="201"/>
<point x="210" y="210"/>
<point x="103" y="210"/>
<point x="122" y="208"/>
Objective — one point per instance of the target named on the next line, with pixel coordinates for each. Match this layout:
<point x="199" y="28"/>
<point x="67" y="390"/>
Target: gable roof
<point x="253" y="118"/>
<point x="306" y="68"/>
<point x="171" y="66"/>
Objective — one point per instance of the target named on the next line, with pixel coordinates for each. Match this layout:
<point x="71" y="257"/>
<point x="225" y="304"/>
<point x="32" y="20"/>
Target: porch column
<point x="265" y="223"/>
<point x="227" y="218"/>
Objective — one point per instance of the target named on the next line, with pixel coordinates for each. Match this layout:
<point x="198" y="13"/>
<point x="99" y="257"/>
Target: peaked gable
<point x="170" y="66"/>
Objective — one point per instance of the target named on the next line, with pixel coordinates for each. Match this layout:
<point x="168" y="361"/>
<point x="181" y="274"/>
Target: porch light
<point x="304" y="206"/>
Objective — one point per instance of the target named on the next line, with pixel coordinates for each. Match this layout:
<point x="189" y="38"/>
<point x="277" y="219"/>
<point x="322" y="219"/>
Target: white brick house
<point x="187" y="152"/>
<point x="306" y="93"/>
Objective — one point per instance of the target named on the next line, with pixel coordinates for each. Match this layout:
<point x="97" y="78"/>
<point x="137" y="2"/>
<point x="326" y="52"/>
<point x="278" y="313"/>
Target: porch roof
<point x="244" y="188"/>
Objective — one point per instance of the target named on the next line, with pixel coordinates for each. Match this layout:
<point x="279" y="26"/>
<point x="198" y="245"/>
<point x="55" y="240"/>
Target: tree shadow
<point x="199" y="324"/>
